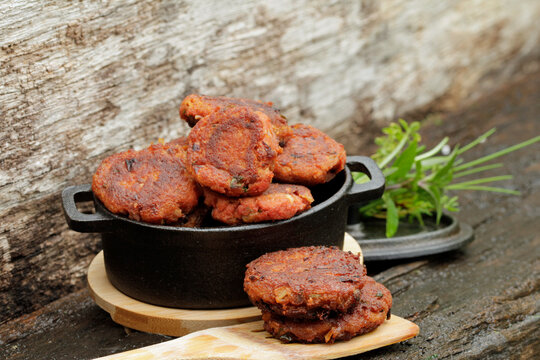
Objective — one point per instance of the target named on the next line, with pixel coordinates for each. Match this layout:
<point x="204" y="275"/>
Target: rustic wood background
<point x="82" y="80"/>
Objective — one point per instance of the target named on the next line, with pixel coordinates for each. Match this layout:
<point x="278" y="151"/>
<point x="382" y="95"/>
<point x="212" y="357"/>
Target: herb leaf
<point x="498" y="153"/>
<point x="392" y="217"/>
<point x="404" y="162"/>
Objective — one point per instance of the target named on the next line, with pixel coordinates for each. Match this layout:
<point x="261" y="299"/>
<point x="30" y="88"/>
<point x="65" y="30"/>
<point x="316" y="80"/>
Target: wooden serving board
<point x="250" y="341"/>
<point x="145" y="317"/>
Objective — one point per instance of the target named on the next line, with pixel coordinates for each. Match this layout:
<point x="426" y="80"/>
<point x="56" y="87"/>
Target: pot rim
<point x="339" y="194"/>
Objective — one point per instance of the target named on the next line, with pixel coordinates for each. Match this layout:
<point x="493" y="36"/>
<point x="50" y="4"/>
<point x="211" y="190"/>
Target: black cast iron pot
<point x="203" y="268"/>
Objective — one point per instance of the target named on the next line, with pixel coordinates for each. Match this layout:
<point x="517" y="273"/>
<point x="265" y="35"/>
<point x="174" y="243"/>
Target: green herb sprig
<point x="418" y="180"/>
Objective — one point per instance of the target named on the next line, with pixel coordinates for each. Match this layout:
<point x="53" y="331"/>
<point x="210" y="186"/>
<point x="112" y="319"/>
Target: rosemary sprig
<point x="418" y="181"/>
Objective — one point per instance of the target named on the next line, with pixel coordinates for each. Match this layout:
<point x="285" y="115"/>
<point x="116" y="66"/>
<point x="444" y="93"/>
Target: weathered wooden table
<point x="480" y="302"/>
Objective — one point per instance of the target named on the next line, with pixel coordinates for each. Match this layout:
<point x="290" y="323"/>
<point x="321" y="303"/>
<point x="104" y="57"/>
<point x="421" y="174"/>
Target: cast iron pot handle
<point x="78" y="221"/>
<point x="370" y="190"/>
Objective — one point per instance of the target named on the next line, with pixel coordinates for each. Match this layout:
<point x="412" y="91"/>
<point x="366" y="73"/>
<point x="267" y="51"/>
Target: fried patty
<point x="278" y="202"/>
<point x="150" y="185"/>
<point x="233" y="152"/>
<point x="181" y="141"/>
<point x="306" y="282"/>
<point x="194" y="107"/>
<point x="370" y="312"/>
<point x="309" y="157"/>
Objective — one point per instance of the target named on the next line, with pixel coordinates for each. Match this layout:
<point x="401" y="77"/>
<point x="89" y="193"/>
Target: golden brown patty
<point x="152" y="185"/>
<point x="181" y="141"/>
<point x="194" y="107"/>
<point x="309" y="157"/>
<point x="370" y="312"/>
<point x="278" y="202"/>
<point x="233" y="152"/>
<point x="306" y="282"/>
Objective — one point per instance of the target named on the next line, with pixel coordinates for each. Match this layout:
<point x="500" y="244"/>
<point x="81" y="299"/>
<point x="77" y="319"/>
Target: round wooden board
<point x="137" y="315"/>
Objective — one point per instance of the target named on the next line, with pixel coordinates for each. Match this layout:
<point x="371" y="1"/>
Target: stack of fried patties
<point x="241" y="160"/>
<point x="316" y="295"/>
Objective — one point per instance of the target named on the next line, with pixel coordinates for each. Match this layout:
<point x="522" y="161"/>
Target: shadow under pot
<point x="203" y="268"/>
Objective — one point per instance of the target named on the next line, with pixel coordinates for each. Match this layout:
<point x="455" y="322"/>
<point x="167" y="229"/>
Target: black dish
<point x="411" y="240"/>
<point x="203" y="268"/>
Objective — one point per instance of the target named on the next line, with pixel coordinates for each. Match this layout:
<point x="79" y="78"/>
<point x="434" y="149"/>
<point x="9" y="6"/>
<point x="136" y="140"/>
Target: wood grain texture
<point x="251" y="341"/>
<point x="82" y="80"/>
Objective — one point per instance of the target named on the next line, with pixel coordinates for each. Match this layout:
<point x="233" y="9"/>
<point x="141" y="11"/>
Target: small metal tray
<point x="411" y="240"/>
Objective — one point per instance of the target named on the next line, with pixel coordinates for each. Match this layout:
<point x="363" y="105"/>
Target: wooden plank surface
<point x="81" y="80"/>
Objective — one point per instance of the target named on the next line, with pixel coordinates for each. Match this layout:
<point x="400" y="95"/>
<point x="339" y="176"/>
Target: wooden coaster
<point x="145" y="317"/>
